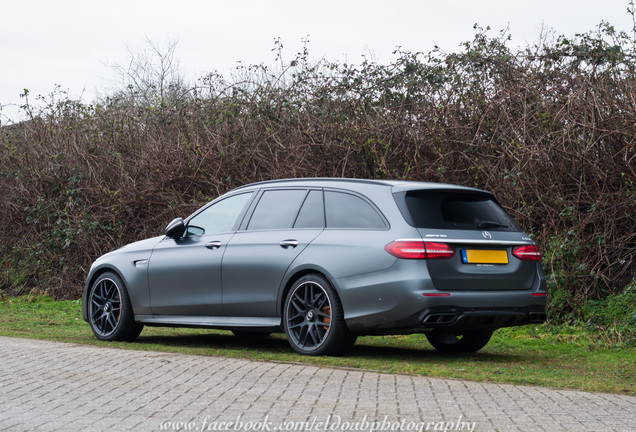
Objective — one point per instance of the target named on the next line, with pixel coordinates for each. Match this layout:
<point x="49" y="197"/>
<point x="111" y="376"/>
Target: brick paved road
<point x="49" y="386"/>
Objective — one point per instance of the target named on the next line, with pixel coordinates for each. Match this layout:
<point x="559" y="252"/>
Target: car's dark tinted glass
<point x="344" y="210"/>
<point x="312" y="213"/>
<point x="277" y="209"/>
<point x="452" y="210"/>
<point x="219" y="217"/>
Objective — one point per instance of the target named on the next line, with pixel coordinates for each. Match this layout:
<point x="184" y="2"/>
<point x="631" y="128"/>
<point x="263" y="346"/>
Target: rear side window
<point x="277" y="209"/>
<point x="344" y="210"/>
<point x="456" y="210"/>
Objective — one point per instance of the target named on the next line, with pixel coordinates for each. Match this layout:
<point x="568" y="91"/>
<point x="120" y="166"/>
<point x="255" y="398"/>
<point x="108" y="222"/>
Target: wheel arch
<point x="299" y="273"/>
<point x="93" y="276"/>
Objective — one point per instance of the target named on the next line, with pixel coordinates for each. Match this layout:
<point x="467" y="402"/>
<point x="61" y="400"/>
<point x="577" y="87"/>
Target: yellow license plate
<point x="485" y="256"/>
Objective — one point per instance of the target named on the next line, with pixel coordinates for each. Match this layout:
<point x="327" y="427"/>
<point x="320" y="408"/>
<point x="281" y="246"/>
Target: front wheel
<point x="109" y="310"/>
<point x="470" y="341"/>
<point x="313" y="318"/>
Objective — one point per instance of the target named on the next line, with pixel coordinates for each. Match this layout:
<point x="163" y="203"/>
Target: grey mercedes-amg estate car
<point x="326" y="260"/>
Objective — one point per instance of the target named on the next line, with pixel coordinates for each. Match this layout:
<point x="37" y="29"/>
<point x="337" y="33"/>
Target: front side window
<point x="344" y="210"/>
<point x="220" y="217"/>
<point x="277" y="209"/>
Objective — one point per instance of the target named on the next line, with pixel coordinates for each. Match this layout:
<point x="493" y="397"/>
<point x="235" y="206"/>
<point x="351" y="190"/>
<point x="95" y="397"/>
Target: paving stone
<point x="50" y="386"/>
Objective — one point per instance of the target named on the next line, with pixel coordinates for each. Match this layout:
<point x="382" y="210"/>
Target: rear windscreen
<point x="455" y="210"/>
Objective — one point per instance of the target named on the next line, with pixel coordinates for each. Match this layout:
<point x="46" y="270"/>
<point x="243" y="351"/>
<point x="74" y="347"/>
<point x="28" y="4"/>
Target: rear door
<point x="480" y="232"/>
<point x="283" y="223"/>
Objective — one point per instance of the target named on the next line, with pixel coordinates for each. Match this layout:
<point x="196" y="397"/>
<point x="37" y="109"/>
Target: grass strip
<point x="558" y="357"/>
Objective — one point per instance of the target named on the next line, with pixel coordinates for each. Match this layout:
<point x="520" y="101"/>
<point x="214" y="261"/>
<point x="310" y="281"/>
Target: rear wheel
<point x="109" y="310"/>
<point x="314" y="320"/>
<point x="470" y="341"/>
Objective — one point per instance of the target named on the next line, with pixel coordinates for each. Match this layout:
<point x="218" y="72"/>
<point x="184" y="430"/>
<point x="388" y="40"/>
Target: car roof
<point x="395" y="185"/>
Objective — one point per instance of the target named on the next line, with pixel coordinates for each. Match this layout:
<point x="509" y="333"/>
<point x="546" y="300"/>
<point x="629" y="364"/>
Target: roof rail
<point x="323" y="179"/>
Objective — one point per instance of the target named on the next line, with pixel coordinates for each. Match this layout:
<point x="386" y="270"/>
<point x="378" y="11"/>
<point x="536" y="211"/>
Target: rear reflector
<point x="539" y="294"/>
<point x="436" y="294"/>
<point x="416" y="249"/>
<point x="527" y="253"/>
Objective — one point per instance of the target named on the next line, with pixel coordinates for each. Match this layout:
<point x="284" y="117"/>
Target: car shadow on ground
<point x="368" y="349"/>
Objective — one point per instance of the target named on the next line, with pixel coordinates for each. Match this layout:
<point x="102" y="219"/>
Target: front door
<point x="184" y="274"/>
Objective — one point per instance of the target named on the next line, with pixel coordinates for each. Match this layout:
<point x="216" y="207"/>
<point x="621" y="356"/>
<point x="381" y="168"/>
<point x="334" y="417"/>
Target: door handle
<point x="285" y="244"/>
<point x="213" y="244"/>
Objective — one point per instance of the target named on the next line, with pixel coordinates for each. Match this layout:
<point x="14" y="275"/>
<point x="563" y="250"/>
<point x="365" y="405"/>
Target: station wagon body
<point x="327" y="260"/>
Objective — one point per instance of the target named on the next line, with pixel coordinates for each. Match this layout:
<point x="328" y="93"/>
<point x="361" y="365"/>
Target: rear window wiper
<point x="491" y="224"/>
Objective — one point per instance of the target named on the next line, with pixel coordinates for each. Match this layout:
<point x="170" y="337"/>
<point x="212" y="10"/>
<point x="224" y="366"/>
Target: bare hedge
<point x="548" y="128"/>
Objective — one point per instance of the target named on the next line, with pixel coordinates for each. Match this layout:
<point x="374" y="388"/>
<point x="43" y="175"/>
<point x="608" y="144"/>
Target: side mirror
<point x="175" y="229"/>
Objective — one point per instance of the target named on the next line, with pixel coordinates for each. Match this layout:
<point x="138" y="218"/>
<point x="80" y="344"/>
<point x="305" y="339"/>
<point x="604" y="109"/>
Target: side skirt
<point x="207" y="321"/>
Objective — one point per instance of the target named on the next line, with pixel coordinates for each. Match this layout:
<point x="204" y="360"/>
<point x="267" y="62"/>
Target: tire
<point x="470" y="341"/>
<point x="110" y="313"/>
<point x="314" y="320"/>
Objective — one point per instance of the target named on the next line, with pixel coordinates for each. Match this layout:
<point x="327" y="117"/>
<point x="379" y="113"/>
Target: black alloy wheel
<point x="314" y="320"/>
<point x="109" y="311"/>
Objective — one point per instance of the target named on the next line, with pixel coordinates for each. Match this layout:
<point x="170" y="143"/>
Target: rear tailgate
<point x="479" y="231"/>
<point x="480" y="264"/>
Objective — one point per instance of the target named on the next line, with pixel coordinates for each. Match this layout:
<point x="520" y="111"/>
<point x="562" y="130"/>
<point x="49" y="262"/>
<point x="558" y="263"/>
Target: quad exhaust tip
<point x="439" y="318"/>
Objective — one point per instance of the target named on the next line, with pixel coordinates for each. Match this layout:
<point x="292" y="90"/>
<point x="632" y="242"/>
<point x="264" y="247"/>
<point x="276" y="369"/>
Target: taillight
<point x="438" y="250"/>
<point x="407" y="249"/>
<point x="527" y="253"/>
<point x="415" y="249"/>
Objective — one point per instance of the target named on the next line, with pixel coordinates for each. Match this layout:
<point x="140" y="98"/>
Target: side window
<point x="219" y="217"/>
<point x="312" y="213"/>
<point x="277" y="209"/>
<point x="344" y="210"/>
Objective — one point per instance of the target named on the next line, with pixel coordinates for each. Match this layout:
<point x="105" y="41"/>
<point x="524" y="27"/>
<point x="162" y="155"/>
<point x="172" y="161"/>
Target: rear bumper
<point x="404" y="300"/>
<point x="403" y="311"/>
<point x="456" y="320"/>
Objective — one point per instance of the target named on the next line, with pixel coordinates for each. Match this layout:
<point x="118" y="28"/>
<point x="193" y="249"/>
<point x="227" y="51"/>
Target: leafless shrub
<point x="550" y="129"/>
